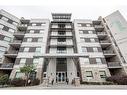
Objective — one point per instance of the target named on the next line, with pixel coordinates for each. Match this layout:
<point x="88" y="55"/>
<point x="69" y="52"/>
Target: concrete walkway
<point x="67" y="87"/>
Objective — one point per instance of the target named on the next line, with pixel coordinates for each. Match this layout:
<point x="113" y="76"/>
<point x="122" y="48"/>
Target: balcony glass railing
<point x="61" y="43"/>
<point x="16" y="41"/>
<point x="108" y="52"/>
<point x="113" y="64"/>
<point x="61" y="51"/>
<point x="98" y="26"/>
<point x="105" y="41"/>
<point x="18" y="33"/>
<point x="22" y="25"/>
<point x="12" y="52"/>
<point x="101" y="33"/>
<point x="7" y="65"/>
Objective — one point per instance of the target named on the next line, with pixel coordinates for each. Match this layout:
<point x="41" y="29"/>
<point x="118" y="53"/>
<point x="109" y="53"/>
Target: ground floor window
<point x="89" y="75"/>
<point x="102" y="74"/>
<point x="19" y="75"/>
<point x="32" y="76"/>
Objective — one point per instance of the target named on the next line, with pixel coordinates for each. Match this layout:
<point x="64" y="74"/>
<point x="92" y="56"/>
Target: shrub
<point x="18" y="82"/>
<point x="97" y="83"/>
<point x="120" y="80"/>
<point x="35" y="82"/>
<point x="4" y="79"/>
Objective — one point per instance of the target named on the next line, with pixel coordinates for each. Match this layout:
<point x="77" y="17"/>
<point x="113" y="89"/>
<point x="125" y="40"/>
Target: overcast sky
<point x="78" y="8"/>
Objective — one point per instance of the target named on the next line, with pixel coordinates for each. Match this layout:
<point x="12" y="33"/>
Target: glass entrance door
<point x="61" y="77"/>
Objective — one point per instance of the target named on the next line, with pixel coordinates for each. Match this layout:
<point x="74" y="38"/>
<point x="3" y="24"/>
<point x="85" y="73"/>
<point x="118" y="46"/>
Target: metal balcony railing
<point x="98" y="26"/>
<point x="16" y="41"/>
<point x="64" y="34"/>
<point x="105" y="41"/>
<point x="12" y="52"/>
<point x="7" y="65"/>
<point x="61" y="51"/>
<point x="101" y="33"/>
<point x="22" y="25"/>
<point x="108" y="52"/>
<point x="114" y="64"/>
<point x="61" y="43"/>
<point x="19" y="33"/>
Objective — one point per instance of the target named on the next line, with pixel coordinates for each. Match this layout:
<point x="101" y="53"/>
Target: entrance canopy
<point x="74" y="55"/>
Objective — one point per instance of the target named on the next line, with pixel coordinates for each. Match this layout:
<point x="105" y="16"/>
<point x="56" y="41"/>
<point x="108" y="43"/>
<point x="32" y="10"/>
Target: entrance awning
<point x="74" y="55"/>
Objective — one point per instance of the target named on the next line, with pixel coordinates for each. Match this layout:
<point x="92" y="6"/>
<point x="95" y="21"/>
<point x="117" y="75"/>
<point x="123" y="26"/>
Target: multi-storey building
<point x="89" y="49"/>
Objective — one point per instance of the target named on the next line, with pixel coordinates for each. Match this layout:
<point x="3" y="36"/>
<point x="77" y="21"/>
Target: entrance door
<point x="61" y="77"/>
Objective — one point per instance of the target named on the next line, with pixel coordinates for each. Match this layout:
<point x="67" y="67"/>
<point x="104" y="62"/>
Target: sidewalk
<point x="67" y="87"/>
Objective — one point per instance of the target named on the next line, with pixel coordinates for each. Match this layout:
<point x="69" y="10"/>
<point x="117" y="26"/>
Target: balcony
<point x="61" y="43"/>
<point x="108" y="53"/>
<point x="97" y="22"/>
<point x="114" y="65"/>
<point x="99" y="27"/>
<point x="67" y="44"/>
<point x="22" y="27"/>
<point x="101" y="34"/>
<point x="56" y="35"/>
<point x="19" y="34"/>
<point x="16" y="43"/>
<point x="11" y="54"/>
<point x="6" y="66"/>
<point x="105" y="43"/>
<point x="61" y="51"/>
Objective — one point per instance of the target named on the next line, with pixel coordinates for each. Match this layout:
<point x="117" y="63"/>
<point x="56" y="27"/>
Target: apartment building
<point x="90" y="50"/>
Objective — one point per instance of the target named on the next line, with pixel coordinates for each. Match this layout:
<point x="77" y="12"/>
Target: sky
<point x="80" y="9"/>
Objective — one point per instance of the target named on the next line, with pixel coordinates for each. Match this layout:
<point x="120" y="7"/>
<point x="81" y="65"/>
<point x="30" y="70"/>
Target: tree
<point x="27" y="69"/>
<point x="4" y="79"/>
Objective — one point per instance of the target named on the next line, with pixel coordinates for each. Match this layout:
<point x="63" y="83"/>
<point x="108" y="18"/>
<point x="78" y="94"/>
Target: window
<point x="102" y="74"/>
<point x="81" y="25"/>
<point x="4" y="18"/>
<point x="90" y="32"/>
<point x="31" y="31"/>
<point x="0" y="59"/>
<point x="98" y="61"/>
<point x="35" y="60"/>
<point x="40" y="39"/>
<point x="2" y="48"/>
<point x="29" y="39"/>
<point x="41" y="31"/>
<point x="10" y="21"/>
<point x="61" y="49"/>
<point x="22" y="61"/>
<point x="80" y="31"/>
<point x="33" y="24"/>
<point x="84" y="49"/>
<point x="86" y="60"/>
<point x="42" y="24"/>
<point x="1" y="26"/>
<point x="61" y="32"/>
<point x="92" y="40"/>
<point x="61" y="39"/>
<point x="1" y="52"/>
<point x="19" y="75"/>
<point x="11" y="30"/>
<point x="88" y="25"/>
<point x="5" y="28"/>
<point x="38" y="49"/>
<point x="26" y="49"/>
<point x="61" y="60"/>
<point x="8" y="39"/>
<point x="89" y="75"/>
<point x="95" y="49"/>
<point x="15" y="23"/>
<point x="82" y="39"/>
<point x="32" y="75"/>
